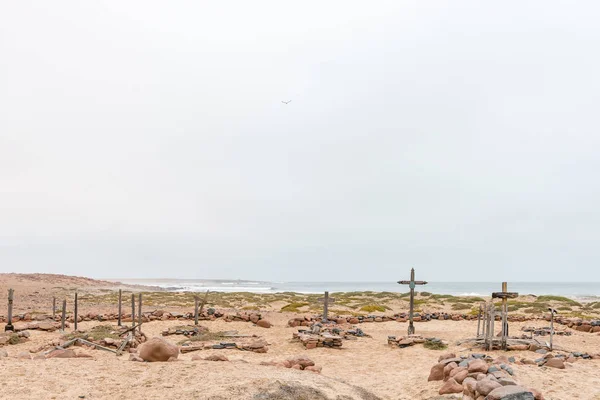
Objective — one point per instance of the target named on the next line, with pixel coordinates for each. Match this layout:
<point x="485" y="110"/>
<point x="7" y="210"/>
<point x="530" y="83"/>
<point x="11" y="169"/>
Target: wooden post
<point x="53" y="307"/>
<point x="196" y="310"/>
<point x="411" y="284"/>
<point x="64" y="315"/>
<point x="140" y="312"/>
<point x="9" y="326"/>
<point x="478" y="320"/>
<point x="75" y="312"/>
<point x="326" y="306"/>
<point x="119" y="317"/>
<point x="132" y="309"/>
<point x="326" y="300"/>
<point x="492" y="321"/>
<point x="552" y="312"/>
<point x="504" y="312"/>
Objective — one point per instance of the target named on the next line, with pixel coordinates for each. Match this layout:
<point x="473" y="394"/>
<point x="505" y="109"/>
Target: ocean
<point x="583" y="291"/>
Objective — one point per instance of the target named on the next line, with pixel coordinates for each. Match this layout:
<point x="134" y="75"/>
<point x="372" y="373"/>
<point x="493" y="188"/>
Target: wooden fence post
<point x="195" y="310"/>
<point x="140" y="312"/>
<point x="75" y="312"/>
<point x="132" y="309"/>
<point x="119" y="317"/>
<point x="64" y="315"/>
<point x="9" y="326"/>
<point x="54" y="307"/>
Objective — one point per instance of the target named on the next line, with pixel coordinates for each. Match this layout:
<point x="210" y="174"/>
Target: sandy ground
<point x="367" y="363"/>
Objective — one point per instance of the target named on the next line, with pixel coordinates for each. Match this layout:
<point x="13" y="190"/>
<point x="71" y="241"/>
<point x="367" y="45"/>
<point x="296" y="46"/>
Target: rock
<point x="437" y="372"/>
<point x="216" y="357"/>
<point x="263" y="323"/>
<point x="448" y="368"/>
<point x="47" y="326"/>
<point x="460" y="376"/>
<point x="81" y="354"/>
<point x="353" y="321"/>
<point x="485" y="386"/>
<point x="510" y="393"/>
<point x="555" y="363"/>
<point x="66" y="353"/>
<point x="135" y="357"/>
<point x="3" y="353"/>
<point x="527" y="361"/>
<point x="478" y="365"/>
<point x="469" y="387"/>
<point x="302" y="361"/>
<point x="450" y="387"/>
<point x="506" y="381"/>
<point x="446" y="356"/>
<point x="314" y="368"/>
<point x="537" y="395"/>
<point x="158" y="349"/>
<point x="24" y="334"/>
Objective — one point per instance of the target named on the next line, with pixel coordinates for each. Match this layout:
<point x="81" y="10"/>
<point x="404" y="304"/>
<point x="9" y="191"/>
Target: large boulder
<point x="510" y="393"/>
<point x="158" y="349"/>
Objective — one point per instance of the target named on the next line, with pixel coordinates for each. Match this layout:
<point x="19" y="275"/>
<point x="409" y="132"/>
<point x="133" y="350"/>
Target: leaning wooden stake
<point x="64" y="315"/>
<point x="53" y="307"/>
<point x="140" y="312"/>
<point x="119" y="317"/>
<point x="203" y="302"/>
<point x="75" y="312"/>
<point x="196" y="310"/>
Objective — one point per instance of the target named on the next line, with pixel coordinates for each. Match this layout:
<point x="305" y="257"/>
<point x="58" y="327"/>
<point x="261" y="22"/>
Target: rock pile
<point x="254" y="345"/>
<point x="159" y="315"/>
<point x="411" y="340"/>
<point x="191" y="330"/>
<point x="479" y="376"/>
<point x="544" y="331"/>
<point x="322" y="339"/>
<point x="8" y="338"/>
<point x="300" y="363"/>
<point x="400" y="317"/>
<point x="578" y="324"/>
<point x="46" y="325"/>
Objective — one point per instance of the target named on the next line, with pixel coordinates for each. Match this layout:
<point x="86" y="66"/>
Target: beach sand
<point x="366" y="368"/>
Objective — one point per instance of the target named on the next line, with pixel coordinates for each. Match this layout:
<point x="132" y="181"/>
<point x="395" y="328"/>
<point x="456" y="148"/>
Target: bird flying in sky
<point x="286" y="102"/>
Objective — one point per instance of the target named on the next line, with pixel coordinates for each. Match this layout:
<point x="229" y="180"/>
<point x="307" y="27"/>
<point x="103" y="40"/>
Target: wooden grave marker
<point x="326" y="301"/>
<point x="412" y="284"/>
<point x="504" y="295"/>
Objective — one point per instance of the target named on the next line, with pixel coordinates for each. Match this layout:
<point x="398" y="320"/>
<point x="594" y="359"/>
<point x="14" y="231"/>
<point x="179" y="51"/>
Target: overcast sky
<point x="149" y="139"/>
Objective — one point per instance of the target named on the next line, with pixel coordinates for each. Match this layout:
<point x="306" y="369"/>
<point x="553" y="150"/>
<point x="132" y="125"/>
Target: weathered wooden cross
<point x="326" y="301"/>
<point x="504" y="295"/>
<point x="411" y="284"/>
<point x="9" y="326"/>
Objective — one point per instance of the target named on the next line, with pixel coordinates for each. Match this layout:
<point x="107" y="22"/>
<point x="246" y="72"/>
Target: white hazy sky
<point x="148" y="139"/>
